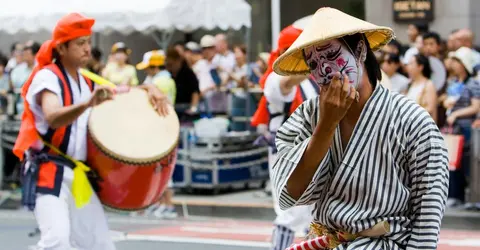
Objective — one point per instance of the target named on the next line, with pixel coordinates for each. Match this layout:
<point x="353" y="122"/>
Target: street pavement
<point x="192" y="233"/>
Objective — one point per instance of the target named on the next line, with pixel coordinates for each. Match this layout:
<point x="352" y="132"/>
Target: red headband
<point x="69" y="27"/>
<point x="285" y="40"/>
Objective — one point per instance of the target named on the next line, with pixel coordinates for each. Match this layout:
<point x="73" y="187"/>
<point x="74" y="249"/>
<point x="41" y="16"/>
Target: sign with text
<point x="413" y="10"/>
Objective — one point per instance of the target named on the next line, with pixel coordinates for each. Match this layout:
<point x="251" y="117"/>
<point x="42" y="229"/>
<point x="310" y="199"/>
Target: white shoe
<point x="159" y="213"/>
<point x="151" y="209"/>
<point x="166" y="213"/>
<point x="170" y="213"/>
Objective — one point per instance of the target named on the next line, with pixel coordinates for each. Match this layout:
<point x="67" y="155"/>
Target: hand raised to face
<point x="324" y="60"/>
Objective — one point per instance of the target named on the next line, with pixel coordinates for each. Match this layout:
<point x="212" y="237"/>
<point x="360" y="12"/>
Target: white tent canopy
<point x="127" y="16"/>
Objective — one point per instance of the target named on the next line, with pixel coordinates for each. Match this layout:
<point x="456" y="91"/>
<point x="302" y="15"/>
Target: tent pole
<point x="164" y="40"/>
<point x="275" y="6"/>
<point x="157" y="39"/>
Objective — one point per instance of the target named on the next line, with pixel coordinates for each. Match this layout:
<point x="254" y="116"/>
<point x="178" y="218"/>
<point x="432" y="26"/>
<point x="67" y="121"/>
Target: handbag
<point x="454" y="143"/>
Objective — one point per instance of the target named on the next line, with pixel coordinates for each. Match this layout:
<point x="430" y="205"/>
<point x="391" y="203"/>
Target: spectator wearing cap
<point x="208" y="43"/>
<point x="20" y="74"/>
<point x="119" y="71"/>
<point x="189" y="50"/>
<point x="4" y="82"/>
<point x="391" y="66"/>
<point x="188" y="92"/>
<point x="153" y="64"/>
<point x="201" y="68"/>
<point x="463" y="111"/>
<point x="216" y="101"/>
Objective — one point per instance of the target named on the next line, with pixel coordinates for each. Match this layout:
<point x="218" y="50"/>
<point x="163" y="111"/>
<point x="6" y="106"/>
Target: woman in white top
<point x="239" y="73"/>
<point x="421" y="89"/>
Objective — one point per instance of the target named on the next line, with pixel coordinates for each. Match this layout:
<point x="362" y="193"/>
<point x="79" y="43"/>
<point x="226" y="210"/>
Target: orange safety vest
<point x="50" y="174"/>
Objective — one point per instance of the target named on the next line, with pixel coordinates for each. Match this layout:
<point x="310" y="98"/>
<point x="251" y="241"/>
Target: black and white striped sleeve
<point x="428" y="170"/>
<point x="292" y="140"/>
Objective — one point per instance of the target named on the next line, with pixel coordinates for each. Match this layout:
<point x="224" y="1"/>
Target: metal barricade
<point x="475" y="167"/>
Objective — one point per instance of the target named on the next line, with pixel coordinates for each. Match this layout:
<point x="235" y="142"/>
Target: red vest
<point x="50" y="174"/>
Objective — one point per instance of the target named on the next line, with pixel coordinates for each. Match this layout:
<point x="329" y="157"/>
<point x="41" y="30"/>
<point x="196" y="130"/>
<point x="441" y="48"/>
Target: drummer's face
<point x="76" y="51"/>
<point x="326" y="59"/>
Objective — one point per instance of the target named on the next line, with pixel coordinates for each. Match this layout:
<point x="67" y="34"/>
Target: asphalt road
<point x="143" y="233"/>
<point x="199" y="233"/>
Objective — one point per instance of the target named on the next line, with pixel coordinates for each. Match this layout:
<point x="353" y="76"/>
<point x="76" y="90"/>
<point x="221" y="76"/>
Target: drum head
<point x="129" y="129"/>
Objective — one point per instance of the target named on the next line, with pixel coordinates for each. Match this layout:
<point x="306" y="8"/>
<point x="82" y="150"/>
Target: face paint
<point x="326" y="59"/>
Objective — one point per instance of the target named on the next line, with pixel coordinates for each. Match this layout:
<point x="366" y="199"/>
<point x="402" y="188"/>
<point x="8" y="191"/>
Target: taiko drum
<point x="132" y="149"/>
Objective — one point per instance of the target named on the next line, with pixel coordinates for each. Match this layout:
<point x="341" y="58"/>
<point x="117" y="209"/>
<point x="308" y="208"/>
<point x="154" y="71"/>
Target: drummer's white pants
<point x="290" y="221"/>
<point x="64" y="227"/>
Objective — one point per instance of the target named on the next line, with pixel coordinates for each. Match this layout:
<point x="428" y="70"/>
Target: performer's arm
<point x="58" y="116"/>
<point x="333" y="104"/>
<point x="288" y="83"/>
<point x="292" y="141"/>
<point x="428" y="170"/>
<point x="158" y="99"/>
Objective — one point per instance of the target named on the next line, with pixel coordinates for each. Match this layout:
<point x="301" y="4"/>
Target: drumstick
<point x="96" y="78"/>
<point x="102" y="81"/>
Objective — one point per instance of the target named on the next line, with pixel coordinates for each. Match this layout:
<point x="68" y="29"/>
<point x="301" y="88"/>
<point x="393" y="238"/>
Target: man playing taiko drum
<point x="57" y="107"/>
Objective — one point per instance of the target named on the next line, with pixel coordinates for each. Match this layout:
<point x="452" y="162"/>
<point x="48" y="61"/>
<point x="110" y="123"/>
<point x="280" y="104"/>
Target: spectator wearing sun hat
<point x="119" y="71"/>
<point x="463" y="105"/>
<point x="153" y="64"/>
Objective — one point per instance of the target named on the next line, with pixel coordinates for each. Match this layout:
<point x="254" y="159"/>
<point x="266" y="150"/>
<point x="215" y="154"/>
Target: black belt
<point x="30" y="176"/>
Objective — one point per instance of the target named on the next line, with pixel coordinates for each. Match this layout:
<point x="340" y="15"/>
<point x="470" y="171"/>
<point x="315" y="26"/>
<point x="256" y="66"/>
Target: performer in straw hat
<point x="358" y="152"/>
<point x="283" y="94"/>
<point x="57" y="106"/>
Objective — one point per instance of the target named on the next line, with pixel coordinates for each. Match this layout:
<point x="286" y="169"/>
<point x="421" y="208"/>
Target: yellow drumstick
<point x="96" y="78"/>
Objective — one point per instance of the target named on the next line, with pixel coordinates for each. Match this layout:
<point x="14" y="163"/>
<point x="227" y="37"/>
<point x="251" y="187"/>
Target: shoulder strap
<point x="90" y="83"/>
<point x="286" y="110"/>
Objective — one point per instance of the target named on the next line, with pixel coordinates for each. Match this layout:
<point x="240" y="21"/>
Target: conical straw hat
<point x="302" y="22"/>
<point x="328" y="24"/>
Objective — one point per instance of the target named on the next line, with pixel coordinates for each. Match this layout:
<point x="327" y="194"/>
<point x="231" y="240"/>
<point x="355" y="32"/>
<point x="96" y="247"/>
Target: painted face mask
<point x="326" y="59"/>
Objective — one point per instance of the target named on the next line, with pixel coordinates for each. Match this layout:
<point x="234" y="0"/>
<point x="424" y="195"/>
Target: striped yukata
<point x="394" y="168"/>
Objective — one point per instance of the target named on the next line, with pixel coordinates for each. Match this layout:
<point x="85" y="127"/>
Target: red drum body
<point x="132" y="149"/>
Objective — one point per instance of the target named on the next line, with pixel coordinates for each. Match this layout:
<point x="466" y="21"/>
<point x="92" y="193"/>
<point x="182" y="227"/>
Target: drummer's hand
<point x="158" y="99"/>
<point x="100" y="94"/>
